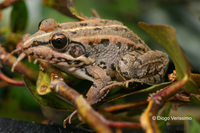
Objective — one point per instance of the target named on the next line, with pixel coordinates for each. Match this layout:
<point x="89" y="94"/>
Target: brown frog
<point x="97" y="50"/>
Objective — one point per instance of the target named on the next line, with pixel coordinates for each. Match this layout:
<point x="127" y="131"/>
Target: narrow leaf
<point x="121" y="96"/>
<point x="19" y="17"/>
<point x="162" y="123"/>
<point x="192" y="126"/>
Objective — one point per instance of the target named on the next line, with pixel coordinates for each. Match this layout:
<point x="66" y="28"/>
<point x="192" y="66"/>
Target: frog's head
<point x="52" y="45"/>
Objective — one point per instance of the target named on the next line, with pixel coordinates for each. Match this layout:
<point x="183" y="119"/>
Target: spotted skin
<point x="97" y="50"/>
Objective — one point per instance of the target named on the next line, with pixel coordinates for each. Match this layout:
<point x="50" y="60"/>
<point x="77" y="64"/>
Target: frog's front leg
<point x="93" y="95"/>
<point x="100" y="80"/>
<point x="149" y="67"/>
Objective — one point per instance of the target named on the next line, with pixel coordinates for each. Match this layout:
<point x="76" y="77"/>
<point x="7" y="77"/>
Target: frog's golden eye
<point x="59" y="41"/>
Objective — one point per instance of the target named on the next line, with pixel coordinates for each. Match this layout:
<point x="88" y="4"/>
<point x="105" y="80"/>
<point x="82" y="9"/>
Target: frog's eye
<point x="59" y="41"/>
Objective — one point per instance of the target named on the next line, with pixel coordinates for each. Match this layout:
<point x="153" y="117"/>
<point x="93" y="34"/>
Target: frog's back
<point x="107" y="41"/>
<point x="95" y="30"/>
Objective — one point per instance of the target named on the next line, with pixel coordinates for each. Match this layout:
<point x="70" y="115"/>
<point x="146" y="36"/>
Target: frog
<point x="97" y="50"/>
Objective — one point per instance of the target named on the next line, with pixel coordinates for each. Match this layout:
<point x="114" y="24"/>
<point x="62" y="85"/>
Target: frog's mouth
<point x="47" y="54"/>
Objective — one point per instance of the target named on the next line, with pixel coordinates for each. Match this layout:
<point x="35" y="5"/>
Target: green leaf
<point x="166" y="36"/>
<point x="122" y="95"/>
<point x="43" y="83"/>
<point x="19" y="17"/>
<point x="156" y="87"/>
<point x="50" y="99"/>
<point x="192" y="126"/>
<point x="165" y="114"/>
<point x="67" y="7"/>
<point x="191" y="87"/>
<point x="195" y="100"/>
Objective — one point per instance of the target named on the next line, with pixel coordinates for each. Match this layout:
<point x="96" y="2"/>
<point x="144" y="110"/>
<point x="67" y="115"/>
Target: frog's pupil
<point x="59" y="41"/>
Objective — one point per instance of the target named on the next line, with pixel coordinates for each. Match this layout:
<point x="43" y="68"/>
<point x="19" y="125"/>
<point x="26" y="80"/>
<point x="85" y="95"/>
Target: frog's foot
<point x="113" y="84"/>
<point x="125" y="84"/>
<point x="69" y="119"/>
